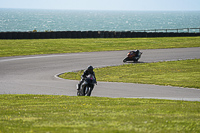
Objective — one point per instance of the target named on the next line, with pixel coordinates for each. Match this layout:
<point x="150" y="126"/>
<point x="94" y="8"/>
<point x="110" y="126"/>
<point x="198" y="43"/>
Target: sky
<point x="135" y="5"/>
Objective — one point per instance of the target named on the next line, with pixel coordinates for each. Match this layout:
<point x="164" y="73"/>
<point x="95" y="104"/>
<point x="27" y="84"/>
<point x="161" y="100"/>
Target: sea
<point x="20" y="20"/>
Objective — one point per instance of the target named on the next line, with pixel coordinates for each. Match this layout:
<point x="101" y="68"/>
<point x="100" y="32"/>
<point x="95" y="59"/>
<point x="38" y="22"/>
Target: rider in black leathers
<point x="88" y="71"/>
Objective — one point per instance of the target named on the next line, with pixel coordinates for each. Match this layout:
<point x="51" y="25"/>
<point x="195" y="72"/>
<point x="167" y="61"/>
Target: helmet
<point x="90" y="69"/>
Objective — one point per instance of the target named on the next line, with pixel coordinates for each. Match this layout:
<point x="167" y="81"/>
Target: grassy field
<point x="51" y="46"/>
<point x="61" y="114"/>
<point x="57" y="114"/>
<point x="184" y="73"/>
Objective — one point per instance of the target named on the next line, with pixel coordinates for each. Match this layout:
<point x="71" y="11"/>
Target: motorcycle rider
<point x="88" y="71"/>
<point x="137" y="53"/>
<point x="134" y="54"/>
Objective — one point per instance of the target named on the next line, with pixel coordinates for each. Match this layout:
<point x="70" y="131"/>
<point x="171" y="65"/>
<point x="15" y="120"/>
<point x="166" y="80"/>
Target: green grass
<point x="44" y="113"/>
<point x="56" y="114"/>
<point x="51" y="46"/>
<point x="184" y="73"/>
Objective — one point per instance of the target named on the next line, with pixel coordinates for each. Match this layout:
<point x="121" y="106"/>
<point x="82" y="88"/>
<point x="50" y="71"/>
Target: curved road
<point x="36" y="74"/>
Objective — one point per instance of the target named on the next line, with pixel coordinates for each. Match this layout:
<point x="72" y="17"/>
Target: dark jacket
<point x="86" y="73"/>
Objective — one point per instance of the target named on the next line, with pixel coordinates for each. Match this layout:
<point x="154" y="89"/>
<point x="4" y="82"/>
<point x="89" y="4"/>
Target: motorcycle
<point x="133" y="56"/>
<point x="87" y="86"/>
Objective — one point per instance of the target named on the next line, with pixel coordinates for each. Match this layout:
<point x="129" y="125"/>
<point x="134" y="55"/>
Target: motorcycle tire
<point x="125" y="60"/>
<point x="78" y="93"/>
<point x="89" y="92"/>
<point x="87" y="89"/>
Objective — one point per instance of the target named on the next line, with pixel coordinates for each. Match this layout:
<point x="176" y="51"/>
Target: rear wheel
<point x="78" y="93"/>
<point x="125" y="60"/>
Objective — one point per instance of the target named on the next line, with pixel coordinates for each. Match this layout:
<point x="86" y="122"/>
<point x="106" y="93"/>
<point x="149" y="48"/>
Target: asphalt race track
<point x="37" y="74"/>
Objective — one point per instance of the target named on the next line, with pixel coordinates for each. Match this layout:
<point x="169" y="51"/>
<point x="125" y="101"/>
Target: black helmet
<point x="90" y="69"/>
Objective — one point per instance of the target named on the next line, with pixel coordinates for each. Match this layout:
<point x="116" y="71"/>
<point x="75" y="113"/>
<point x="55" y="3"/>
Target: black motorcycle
<point x="133" y="56"/>
<point x="87" y="86"/>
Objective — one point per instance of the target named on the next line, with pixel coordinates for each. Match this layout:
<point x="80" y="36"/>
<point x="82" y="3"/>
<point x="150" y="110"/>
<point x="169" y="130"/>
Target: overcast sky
<point x="171" y="5"/>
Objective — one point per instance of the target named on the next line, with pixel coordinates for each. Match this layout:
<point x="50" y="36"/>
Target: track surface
<point x="36" y="74"/>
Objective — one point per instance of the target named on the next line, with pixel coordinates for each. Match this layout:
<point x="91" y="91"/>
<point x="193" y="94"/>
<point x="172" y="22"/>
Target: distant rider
<point x="88" y="71"/>
<point x="137" y="53"/>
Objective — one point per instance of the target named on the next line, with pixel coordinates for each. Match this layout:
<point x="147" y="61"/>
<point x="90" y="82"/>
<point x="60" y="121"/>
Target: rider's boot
<point x="78" y="86"/>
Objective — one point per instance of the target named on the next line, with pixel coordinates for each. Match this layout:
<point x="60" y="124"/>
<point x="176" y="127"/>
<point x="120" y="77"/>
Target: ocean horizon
<point x="21" y="20"/>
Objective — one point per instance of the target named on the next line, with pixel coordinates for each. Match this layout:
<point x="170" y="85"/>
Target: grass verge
<point x="184" y="73"/>
<point x="42" y="113"/>
<point x="47" y="113"/>
<point x="52" y="46"/>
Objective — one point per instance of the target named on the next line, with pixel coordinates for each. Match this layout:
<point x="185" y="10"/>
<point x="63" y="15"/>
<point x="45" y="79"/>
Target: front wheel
<point x="87" y="88"/>
<point x="136" y="60"/>
<point x="89" y="91"/>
